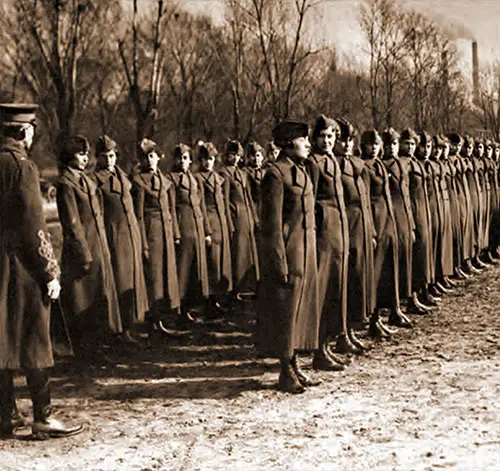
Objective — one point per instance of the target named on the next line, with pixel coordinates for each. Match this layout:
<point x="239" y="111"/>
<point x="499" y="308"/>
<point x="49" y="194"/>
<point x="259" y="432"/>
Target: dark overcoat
<point x="332" y="243"/>
<point x="386" y="273"/>
<point x="476" y="204"/>
<point x="154" y="204"/>
<point x="422" y="248"/>
<point x="219" y="253"/>
<point x="255" y="177"/>
<point x="445" y="248"/>
<point x="288" y="315"/>
<point x="398" y="173"/>
<point x="360" y="289"/>
<point x="484" y="201"/>
<point x="27" y="264"/>
<point x="124" y="241"/>
<point x="464" y="205"/>
<point x="450" y="173"/>
<point x="194" y="226"/>
<point x="88" y="296"/>
<point x="244" y="218"/>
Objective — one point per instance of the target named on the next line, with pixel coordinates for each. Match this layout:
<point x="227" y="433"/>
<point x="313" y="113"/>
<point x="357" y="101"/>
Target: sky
<point x="336" y="23"/>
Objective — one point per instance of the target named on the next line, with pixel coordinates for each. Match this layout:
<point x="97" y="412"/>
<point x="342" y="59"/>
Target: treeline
<point x="133" y="69"/>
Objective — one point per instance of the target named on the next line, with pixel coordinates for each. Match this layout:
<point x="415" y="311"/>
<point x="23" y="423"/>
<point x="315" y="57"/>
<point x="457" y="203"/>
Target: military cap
<point x="424" y="137"/>
<point x="455" y="139"/>
<point x="146" y="146"/>
<point x="181" y="149"/>
<point x="254" y="147"/>
<point x="346" y="129"/>
<point x="207" y="150"/>
<point x="233" y="147"/>
<point x="390" y="135"/>
<point x="74" y="144"/>
<point x="324" y="122"/>
<point x="104" y="144"/>
<point x="17" y="114"/>
<point x="409" y="134"/>
<point x="370" y="136"/>
<point x="438" y="141"/>
<point x="288" y="130"/>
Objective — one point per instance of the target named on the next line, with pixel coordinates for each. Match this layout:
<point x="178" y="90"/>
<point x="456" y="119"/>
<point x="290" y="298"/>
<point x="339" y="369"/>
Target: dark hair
<point x="13" y="131"/>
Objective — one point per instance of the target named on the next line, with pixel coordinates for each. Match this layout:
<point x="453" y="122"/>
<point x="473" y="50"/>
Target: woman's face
<point x="79" y="161"/>
<point x="258" y="159"/>
<point x="273" y="155"/>
<point x="425" y="150"/>
<point x="325" y="141"/>
<point x="185" y="161"/>
<point x="480" y="149"/>
<point x="372" y="150"/>
<point x="301" y="148"/>
<point x="153" y="159"/>
<point x="344" y="147"/>
<point x="470" y="150"/>
<point x="407" y="148"/>
<point x="208" y="163"/>
<point x="497" y="153"/>
<point x="233" y="158"/>
<point x="489" y="151"/>
<point x="446" y="151"/>
<point x="391" y="149"/>
<point x="108" y="160"/>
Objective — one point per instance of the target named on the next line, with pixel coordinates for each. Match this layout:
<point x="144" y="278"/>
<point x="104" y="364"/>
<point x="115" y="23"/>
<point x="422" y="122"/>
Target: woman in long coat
<point x="288" y="315"/>
<point x="219" y="252"/>
<point x="332" y="232"/>
<point x="88" y="285"/>
<point x="194" y="227"/>
<point x="362" y="235"/>
<point x="386" y="273"/>
<point x="256" y="171"/>
<point x="422" y="264"/>
<point x="397" y="171"/>
<point x="154" y="203"/>
<point x="124" y="237"/>
<point x="244" y="219"/>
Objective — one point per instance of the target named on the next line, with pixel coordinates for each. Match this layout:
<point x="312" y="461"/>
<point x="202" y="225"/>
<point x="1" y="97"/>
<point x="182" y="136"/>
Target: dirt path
<point x="427" y="400"/>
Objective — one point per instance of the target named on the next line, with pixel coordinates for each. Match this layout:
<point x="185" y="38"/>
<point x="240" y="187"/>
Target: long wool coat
<point x="27" y="264"/>
<point x="288" y="315"/>
<point x="436" y="206"/>
<point x="446" y="242"/>
<point x="476" y="205"/>
<point x="124" y="240"/>
<point x="89" y="297"/>
<point x="464" y="205"/>
<point x="244" y="254"/>
<point x="386" y="272"/>
<point x="484" y="201"/>
<point x="154" y="204"/>
<point x="255" y="177"/>
<point x="332" y="232"/>
<point x="360" y="289"/>
<point x="194" y="226"/>
<point x="397" y="170"/>
<point x="219" y="253"/>
<point x="423" y="262"/>
<point x="455" y="208"/>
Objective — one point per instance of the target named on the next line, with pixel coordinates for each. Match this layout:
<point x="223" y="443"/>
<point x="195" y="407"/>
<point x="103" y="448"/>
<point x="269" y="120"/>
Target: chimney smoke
<point x="475" y="70"/>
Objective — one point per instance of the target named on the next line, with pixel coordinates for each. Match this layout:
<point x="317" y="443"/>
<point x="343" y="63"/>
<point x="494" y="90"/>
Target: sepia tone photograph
<point x="250" y="235"/>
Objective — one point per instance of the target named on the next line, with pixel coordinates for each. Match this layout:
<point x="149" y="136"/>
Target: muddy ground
<point x="429" y="399"/>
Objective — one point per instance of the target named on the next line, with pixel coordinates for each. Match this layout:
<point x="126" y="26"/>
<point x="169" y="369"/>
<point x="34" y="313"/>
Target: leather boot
<point x="375" y="331"/>
<point x="429" y="299"/>
<point x="414" y="306"/>
<point x="44" y="426"/>
<point x="356" y="341"/>
<point x="460" y="274"/>
<point x="305" y="380"/>
<point x="487" y="257"/>
<point x="323" y="362"/>
<point x="449" y="283"/>
<point x="7" y="403"/>
<point x="440" y="286"/>
<point x="344" y="345"/>
<point x="288" y="381"/>
<point x="398" y="319"/>
<point x="336" y="358"/>
<point x="479" y="263"/>
<point x="470" y="268"/>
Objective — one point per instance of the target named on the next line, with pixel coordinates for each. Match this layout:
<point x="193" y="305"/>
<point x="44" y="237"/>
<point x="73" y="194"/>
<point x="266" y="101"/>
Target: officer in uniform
<point x="29" y="278"/>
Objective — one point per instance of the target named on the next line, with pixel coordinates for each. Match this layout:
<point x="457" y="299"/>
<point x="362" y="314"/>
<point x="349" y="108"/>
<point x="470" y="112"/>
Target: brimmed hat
<point x="104" y="144"/>
<point x="17" y="114"/>
<point x="288" y="130"/>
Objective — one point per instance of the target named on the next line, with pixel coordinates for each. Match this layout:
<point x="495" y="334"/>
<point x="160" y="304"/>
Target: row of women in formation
<point x="329" y="234"/>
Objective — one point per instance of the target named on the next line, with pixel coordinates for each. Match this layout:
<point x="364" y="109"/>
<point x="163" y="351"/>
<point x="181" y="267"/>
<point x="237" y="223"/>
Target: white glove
<point x="53" y="289"/>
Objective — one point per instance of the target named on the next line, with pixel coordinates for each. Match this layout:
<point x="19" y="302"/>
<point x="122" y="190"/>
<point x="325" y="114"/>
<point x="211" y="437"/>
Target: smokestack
<point x="475" y="70"/>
